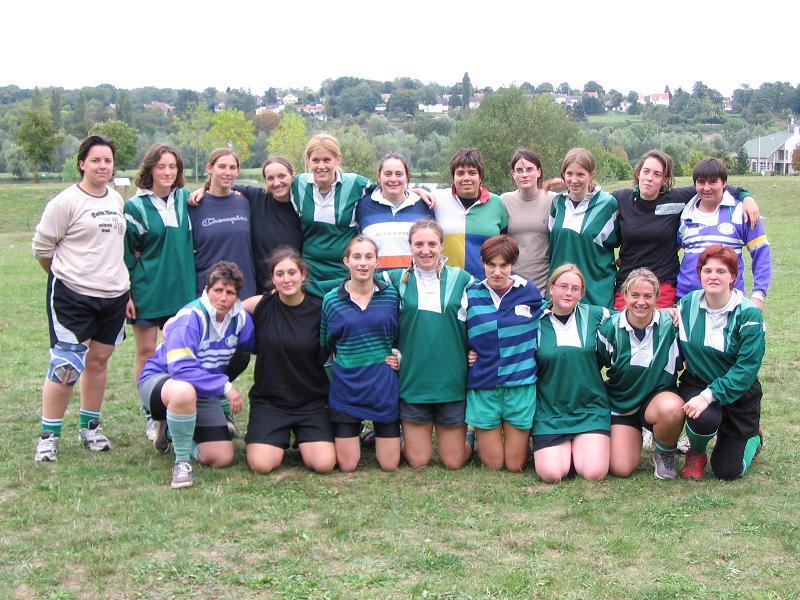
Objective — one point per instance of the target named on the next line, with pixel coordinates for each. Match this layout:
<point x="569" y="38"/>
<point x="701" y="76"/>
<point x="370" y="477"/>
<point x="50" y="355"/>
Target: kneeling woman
<point x="640" y="347"/>
<point x="502" y="320"/>
<point x="433" y="340"/>
<point x="722" y="340"/>
<point x="359" y="326"/>
<point x="290" y="387"/>
<point x="572" y="422"/>
<point x="183" y="382"/>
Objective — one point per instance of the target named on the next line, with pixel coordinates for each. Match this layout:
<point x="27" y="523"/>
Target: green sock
<point x="181" y="430"/>
<point x="195" y="450"/>
<point x="85" y="416"/>
<point x="664" y="448"/>
<point x="53" y="425"/>
<point x="698" y="442"/>
<point x="226" y="406"/>
<point x="750" y="449"/>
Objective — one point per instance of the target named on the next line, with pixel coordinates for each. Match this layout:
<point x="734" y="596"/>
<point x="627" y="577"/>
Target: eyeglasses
<point x="528" y="171"/>
<point x="575" y="289"/>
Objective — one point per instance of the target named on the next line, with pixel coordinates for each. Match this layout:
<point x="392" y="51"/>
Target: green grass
<point x="109" y="526"/>
<point x="614" y="118"/>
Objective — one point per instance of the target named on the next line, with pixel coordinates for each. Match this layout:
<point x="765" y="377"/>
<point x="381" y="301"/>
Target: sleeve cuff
<point x="706" y="393"/>
<point x="228" y="386"/>
<point x="757" y="294"/>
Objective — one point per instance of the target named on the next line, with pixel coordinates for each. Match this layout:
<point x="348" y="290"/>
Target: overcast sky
<point x="622" y="44"/>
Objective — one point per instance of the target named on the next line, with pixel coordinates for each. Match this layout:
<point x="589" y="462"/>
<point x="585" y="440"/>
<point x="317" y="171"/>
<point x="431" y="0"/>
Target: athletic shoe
<point x="182" y="475"/>
<point x="151" y="431"/>
<point x="46" y="447"/>
<point x="664" y="465"/>
<point x="647" y="438"/>
<point x="162" y="443"/>
<point x="694" y="465"/>
<point x="92" y="438"/>
<point x="231" y="426"/>
<point x="683" y="444"/>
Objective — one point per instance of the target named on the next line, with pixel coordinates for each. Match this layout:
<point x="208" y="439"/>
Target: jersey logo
<point x="231" y="341"/>
<point x="522" y="310"/>
<point x="725" y="228"/>
<point x="672" y="208"/>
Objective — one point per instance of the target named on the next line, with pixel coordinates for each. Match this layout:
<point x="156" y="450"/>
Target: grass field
<point x="108" y="525"/>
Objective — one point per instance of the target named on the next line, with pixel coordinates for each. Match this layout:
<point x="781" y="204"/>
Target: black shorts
<point x="540" y="442"/>
<point x="74" y="318"/>
<point x="637" y="420"/>
<point x="154" y="322"/>
<point x="740" y="419"/>
<point x="347" y="426"/>
<point x="211" y="425"/>
<point x="271" y="425"/>
<point x="446" y="414"/>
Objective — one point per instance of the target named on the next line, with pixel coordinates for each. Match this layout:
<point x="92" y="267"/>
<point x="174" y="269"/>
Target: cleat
<point x="694" y="465"/>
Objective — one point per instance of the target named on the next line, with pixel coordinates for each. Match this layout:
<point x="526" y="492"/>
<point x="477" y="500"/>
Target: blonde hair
<point x="640" y="275"/>
<point x="584" y="159"/>
<point x="357" y="240"/>
<point x="564" y="269"/>
<point x="322" y="141"/>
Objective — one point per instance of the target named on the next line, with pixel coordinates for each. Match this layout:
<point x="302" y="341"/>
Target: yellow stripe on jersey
<point x="757" y="242"/>
<point x="179" y="354"/>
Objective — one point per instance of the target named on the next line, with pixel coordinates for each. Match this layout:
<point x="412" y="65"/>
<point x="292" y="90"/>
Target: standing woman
<point x="325" y="199"/>
<point x="221" y="223"/>
<point x="722" y="339"/>
<point x="290" y="387"/>
<point x="433" y="305"/>
<point x="713" y="216"/>
<point x="648" y="220"/>
<point x="159" y="250"/>
<point x="79" y="242"/>
<point x="273" y="220"/>
<point x="468" y="213"/>
<point x="359" y="326"/>
<point x="502" y="323"/>
<point x="572" y="421"/>
<point x="528" y="213"/>
<point x="583" y="229"/>
<point x="387" y="214"/>
<point x="640" y="348"/>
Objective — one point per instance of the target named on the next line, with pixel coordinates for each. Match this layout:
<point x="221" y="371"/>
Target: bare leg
<point x="93" y="381"/>
<point x="590" y="453"/>
<point x="490" y="447"/>
<point x="145" y="338"/>
<point x="348" y="453"/>
<point x="454" y="450"/>
<point x="320" y="457"/>
<point x="553" y="463"/>
<point x="264" y="458"/>
<point x="626" y="450"/>
<point x="418" y="443"/>
<point x="515" y="446"/>
<point x="387" y="451"/>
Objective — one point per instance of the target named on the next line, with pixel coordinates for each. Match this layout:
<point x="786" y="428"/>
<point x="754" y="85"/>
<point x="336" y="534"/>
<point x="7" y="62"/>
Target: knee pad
<point x="67" y="362"/>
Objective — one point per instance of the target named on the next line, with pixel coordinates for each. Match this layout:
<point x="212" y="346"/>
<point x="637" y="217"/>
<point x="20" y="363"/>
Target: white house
<point x="772" y="153"/>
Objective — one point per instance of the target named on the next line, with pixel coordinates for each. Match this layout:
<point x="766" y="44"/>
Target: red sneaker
<point x="694" y="465"/>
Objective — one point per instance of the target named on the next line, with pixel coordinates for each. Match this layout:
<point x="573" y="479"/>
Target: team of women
<point x="483" y="318"/>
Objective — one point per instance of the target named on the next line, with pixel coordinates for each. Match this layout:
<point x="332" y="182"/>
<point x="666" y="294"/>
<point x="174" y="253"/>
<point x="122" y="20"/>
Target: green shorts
<point x="488" y="409"/>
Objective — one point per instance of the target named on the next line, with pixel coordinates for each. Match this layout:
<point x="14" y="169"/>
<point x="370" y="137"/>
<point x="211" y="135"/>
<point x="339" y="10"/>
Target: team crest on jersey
<point x="725" y="228"/>
<point x="231" y="341"/>
<point x="522" y="310"/>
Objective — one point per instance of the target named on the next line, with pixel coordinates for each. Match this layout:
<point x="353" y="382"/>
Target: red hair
<point x="725" y="255"/>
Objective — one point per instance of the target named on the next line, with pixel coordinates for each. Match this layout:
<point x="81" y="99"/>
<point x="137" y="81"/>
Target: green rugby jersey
<point x="433" y="344"/>
<point x="637" y="369"/>
<point x="723" y="348"/>
<point x="570" y="395"/>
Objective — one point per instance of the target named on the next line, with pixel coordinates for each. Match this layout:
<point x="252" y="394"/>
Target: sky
<point x="623" y="44"/>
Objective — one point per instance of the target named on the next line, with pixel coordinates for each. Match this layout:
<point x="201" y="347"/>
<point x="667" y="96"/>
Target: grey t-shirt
<point x="527" y="224"/>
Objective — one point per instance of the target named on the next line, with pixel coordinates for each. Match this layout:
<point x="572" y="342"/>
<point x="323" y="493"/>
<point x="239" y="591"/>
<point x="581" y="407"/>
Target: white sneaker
<point x="151" y="431"/>
<point x="46" y="447"/>
<point x="92" y="438"/>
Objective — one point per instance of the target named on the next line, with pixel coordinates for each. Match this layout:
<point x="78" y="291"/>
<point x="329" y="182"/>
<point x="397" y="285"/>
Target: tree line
<point x="41" y="128"/>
